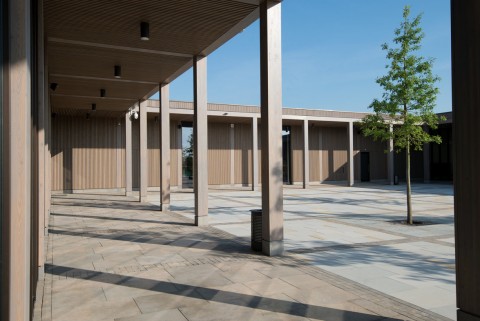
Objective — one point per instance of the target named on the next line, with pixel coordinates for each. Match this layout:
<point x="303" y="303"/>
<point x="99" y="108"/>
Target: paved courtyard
<point x="112" y="258"/>
<point x="352" y="232"/>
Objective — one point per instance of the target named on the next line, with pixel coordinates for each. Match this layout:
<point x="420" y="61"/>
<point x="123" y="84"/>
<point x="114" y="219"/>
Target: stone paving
<point x="112" y="258"/>
<point x="352" y="232"/>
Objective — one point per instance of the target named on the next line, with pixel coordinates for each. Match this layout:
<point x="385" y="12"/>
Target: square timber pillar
<point x="351" y="174"/>
<point x="254" y="153"/>
<point x="271" y="129"/>
<point x="143" y="151"/>
<point x="165" y="147"/>
<point x="466" y="117"/>
<point x="306" y="155"/>
<point x="200" y="140"/>
<point x="16" y="159"/>
<point x="128" y="155"/>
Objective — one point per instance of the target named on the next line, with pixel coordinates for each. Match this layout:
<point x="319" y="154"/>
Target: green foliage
<point x="409" y="92"/>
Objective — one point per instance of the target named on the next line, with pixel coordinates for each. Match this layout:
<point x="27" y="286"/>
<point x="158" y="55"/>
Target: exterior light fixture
<point x="102" y="92"/>
<point x="144" y="31"/>
<point x="53" y="86"/>
<point x="94" y="107"/>
<point x="88" y="116"/>
<point x="118" y="71"/>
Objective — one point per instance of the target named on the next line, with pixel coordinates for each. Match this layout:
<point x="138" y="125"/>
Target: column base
<point x="143" y="199"/>
<point x="129" y="193"/>
<point x="272" y="248"/>
<point x="201" y="220"/>
<point x="464" y="316"/>
<point x="164" y="207"/>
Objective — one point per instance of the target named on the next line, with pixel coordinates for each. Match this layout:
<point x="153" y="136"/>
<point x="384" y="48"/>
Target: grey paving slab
<point x="170" y="315"/>
<point x="117" y="259"/>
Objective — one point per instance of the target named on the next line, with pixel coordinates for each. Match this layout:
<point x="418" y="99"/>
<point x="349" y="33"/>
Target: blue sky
<point x="331" y="54"/>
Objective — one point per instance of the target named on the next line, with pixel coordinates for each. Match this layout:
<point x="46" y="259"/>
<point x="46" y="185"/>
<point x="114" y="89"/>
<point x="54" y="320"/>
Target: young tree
<point x="408" y="99"/>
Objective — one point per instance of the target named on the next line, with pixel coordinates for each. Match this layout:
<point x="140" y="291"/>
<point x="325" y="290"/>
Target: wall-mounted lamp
<point x="144" y="31"/>
<point x="102" y="92"/>
<point x="88" y="116"/>
<point x="133" y="114"/>
<point x="118" y="71"/>
<point x="53" y="86"/>
<point x="94" y="107"/>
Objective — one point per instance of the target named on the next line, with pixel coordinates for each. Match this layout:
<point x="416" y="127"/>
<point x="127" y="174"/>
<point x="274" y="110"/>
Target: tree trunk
<point x="409" y="188"/>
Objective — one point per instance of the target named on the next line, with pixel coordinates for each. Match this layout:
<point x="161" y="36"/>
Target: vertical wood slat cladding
<point x="328" y="153"/>
<point x="378" y="157"/>
<point x="84" y="153"/>
<point x="297" y="153"/>
<point x="153" y="145"/>
<point x="219" y="156"/>
<point x="243" y="154"/>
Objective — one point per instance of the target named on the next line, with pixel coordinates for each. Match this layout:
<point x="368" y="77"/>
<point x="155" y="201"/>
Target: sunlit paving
<point x="347" y="258"/>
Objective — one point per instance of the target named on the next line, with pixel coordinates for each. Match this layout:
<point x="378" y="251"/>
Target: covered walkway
<point x="112" y="258"/>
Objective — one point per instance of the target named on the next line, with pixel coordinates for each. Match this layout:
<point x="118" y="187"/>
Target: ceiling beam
<point x="97" y="98"/>
<point x="103" y="79"/>
<point x="105" y="46"/>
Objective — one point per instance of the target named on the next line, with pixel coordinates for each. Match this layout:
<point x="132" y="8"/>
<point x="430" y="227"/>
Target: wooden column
<point x="200" y="140"/>
<point x="271" y="113"/>
<point x="254" y="153"/>
<point x="16" y="167"/>
<point x="143" y="152"/>
<point x="466" y="115"/>
<point x="351" y="174"/>
<point x="40" y="126"/>
<point x="391" y="160"/>
<point x="165" y="146"/>
<point x="128" y="155"/>
<point x="306" y="155"/>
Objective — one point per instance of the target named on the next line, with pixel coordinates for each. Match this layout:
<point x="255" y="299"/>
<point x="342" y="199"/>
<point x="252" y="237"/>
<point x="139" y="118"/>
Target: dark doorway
<point x="365" y="166"/>
<point x="187" y="155"/>
<point x="287" y="154"/>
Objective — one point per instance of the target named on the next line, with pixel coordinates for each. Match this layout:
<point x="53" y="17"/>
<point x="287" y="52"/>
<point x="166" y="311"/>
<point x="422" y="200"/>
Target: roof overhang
<point x="86" y="39"/>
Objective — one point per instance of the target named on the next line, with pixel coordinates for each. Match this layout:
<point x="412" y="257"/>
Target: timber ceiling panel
<point x="91" y="88"/>
<point x="180" y="26"/>
<point x="85" y="104"/>
<point x="100" y="62"/>
<point x="87" y="38"/>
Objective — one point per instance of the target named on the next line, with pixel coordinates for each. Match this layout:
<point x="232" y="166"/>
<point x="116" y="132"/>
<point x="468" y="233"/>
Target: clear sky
<point x="331" y="54"/>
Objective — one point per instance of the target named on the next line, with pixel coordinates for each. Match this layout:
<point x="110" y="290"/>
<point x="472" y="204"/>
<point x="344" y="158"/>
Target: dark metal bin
<point x="256" y="229"/>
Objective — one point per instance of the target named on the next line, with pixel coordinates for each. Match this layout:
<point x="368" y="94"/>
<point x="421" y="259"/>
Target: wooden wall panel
<point x="219" y="154"/>
<point x="297" y="153"/>
<point x="315" y="151"/>
<point x="243" y="154"/>
<point x="334" y="153"/>
<point x="153" y="146"/>
<point x="378" y="157"/>
<point x="85" y="153"/>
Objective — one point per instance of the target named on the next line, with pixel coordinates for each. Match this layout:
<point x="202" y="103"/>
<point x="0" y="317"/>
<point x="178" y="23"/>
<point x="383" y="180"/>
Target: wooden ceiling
<point x="86" y="39"/>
